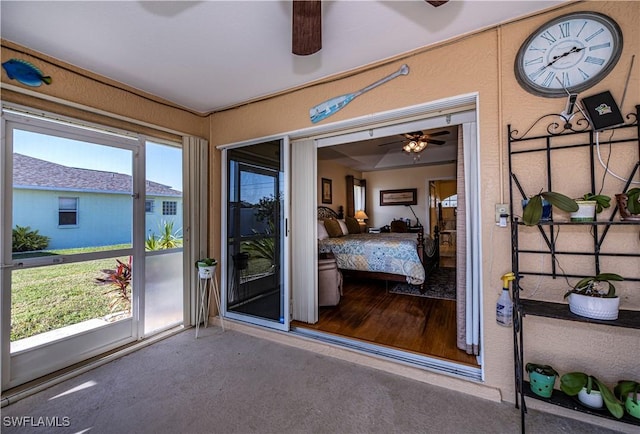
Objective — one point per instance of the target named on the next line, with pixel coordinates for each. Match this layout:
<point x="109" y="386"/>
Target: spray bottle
<point x="504" y="306"/>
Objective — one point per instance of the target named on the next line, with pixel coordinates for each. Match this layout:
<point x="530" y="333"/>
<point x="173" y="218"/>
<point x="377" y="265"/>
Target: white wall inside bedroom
<point x="411" y="177"/>
<point x="337" y="173"/>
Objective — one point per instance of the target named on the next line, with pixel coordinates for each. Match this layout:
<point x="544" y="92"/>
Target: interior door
<point x="68" y="209"/>
<point x="255" y="277"/>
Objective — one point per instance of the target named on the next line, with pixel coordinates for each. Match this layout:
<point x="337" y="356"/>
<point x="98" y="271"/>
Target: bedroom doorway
<point x="353" y="335"/>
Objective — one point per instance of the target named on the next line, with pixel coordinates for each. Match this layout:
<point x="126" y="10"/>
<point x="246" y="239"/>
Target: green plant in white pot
<point x="595" y="297"/>
<point x="589" y="205"/>
<point x="535" y="208"/>
<point x="591" y="392"/>
<point x="206" y="267"/>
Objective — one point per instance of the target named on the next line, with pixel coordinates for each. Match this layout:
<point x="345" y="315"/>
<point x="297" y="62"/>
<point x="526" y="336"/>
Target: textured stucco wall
<point x="78" y="86"/>
<point x="483" y="63"/>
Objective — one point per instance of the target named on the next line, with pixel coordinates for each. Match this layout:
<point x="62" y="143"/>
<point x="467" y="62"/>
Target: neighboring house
<point x="82" y="207"/>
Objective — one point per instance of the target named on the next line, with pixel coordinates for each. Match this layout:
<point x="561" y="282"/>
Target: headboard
<point x="326" y="212"/>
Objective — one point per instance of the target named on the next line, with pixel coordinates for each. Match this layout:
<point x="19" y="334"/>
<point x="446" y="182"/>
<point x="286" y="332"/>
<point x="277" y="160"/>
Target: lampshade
<point x="361" y="215"/>
<point x="415" y="147"/>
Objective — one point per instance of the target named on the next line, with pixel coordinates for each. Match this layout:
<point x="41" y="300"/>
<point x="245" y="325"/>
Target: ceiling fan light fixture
<point x="415" y="147"/>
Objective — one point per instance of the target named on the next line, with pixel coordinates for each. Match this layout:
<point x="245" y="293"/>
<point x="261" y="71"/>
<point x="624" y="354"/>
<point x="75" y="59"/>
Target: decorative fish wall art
<point x="25" y="72"/>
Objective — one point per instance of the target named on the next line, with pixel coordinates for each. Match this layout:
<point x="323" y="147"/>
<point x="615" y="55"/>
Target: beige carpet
<point x="229" y="382"/>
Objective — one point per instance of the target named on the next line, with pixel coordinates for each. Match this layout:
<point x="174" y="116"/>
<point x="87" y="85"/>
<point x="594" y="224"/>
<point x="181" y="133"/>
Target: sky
<point x="164" y="163"/>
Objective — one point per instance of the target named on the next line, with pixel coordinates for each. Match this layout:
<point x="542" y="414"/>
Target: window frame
<point x="68" y="211"/>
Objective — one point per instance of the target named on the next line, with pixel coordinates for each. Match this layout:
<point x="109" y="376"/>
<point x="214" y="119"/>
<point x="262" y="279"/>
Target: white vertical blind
<point x="304" y="257"/>
<point x="195" y="196"/>
<point x="474" y="245"/>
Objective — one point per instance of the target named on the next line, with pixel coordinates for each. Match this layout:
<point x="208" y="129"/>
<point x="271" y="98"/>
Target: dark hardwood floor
<point x="368" y="312"/>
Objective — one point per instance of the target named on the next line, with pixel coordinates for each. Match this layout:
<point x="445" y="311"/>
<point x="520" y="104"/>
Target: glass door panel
<point x="69" y="206"/>
<point x="256" y="285"/>
<point x="163" y="303"/>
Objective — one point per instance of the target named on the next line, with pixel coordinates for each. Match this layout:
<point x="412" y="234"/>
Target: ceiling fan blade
<point x="436" y="3"/>
<point x="435" y="142"/>
<point x="306" y="32"/>
<point x="395" y="142"/>
<point x="438" y="133"/>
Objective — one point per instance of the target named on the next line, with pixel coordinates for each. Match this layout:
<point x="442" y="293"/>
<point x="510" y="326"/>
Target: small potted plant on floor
<point x="591" y="392"/>
<point x="629" y="204"/>
<point x="542" y="378"/>
<point x="206" y="267"/>
<point x="538" y="207"/>
<point x="627" y="392"/>
<point x="595" y="297"/>
<point x="589" y="205"/>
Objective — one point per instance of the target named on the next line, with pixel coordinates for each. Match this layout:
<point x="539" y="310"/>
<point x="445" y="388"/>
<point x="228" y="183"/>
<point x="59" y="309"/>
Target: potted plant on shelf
<point x="538" y="207"/>
<point x="591" y="392"/>
<point x="589" y="205"/>
<point x="595" y="297"/>
<point x="542" y="378"/>
<point x="627" y="392"/>
<point x="629" y="204"/>
<point x="206" y="267"/>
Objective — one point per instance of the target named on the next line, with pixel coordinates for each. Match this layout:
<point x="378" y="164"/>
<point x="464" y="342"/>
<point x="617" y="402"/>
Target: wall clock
<point x="572" y="52"/>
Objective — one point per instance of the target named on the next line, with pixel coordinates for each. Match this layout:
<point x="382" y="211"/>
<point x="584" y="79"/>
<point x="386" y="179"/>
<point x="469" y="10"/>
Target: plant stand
<point x="207" y="286"/>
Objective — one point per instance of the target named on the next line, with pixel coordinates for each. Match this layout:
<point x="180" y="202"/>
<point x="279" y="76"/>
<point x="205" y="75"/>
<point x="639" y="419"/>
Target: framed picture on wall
<point x="326" y="191"/>
<point x="407" y="196"/>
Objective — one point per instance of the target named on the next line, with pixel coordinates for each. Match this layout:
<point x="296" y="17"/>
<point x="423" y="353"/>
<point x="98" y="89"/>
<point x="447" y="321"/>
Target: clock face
<point x="572" y="52"/>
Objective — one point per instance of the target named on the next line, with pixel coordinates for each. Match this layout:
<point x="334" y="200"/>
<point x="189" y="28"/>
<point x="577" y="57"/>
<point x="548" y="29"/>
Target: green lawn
<point x="50" y="297"/>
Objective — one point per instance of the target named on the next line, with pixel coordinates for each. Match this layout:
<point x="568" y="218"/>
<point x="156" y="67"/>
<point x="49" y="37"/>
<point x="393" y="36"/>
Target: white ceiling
<point x="209" y="55"/>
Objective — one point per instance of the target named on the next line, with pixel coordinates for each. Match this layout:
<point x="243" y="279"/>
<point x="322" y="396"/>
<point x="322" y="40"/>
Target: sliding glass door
<point x="82" y="231"/>
<point x="255" y="277"/>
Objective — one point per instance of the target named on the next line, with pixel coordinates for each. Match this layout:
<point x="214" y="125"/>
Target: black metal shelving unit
<point x="561" y="134"/>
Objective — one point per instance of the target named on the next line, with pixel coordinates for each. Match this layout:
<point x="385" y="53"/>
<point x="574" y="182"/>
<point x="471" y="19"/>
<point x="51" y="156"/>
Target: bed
<point x="402" y="257"/>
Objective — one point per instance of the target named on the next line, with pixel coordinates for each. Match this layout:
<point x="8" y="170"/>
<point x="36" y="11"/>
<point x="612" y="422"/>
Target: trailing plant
<point x="602" y="201"/>
<point x="120" y="279"/>
<point x="23" y="239"/>
<point x="532" y="212"/>
<point x="573" y="382"/>
<point x="594" y="286"/>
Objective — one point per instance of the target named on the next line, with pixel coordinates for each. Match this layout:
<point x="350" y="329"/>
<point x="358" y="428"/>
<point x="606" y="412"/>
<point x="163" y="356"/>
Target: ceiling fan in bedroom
<point x="307" y="26"/>
<point x="418" y="141"/>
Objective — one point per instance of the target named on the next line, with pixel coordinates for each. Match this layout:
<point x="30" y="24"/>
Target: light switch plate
<point x="501" y="208"/>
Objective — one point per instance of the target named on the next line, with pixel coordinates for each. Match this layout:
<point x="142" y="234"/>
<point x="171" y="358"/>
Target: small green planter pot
<point x="632" y="408"/>
<point x="542" y="385"/>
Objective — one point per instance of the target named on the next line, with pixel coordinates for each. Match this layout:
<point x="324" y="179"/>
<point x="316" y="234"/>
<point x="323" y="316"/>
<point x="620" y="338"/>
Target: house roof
<point x="29" y="172"/>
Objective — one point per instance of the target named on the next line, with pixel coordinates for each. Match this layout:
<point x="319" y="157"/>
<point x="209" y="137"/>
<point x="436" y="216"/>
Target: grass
<point x="50" y="297"/>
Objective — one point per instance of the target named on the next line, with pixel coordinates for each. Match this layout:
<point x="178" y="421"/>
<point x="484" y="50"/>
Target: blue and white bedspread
<point x="394" y="253"/>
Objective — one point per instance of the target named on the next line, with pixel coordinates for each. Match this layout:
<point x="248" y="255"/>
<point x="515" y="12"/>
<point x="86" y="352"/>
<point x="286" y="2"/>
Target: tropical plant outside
<point x="120" y="281"/>
<point x="168" y="238"/>
<point x="23" y="239"/>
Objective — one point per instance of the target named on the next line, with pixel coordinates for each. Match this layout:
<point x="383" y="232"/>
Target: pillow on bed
<point x="333" y="228"/>
<point x="343" y="227"/>
<point x="322" y="231"/>
<point x="352" y="225"/>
